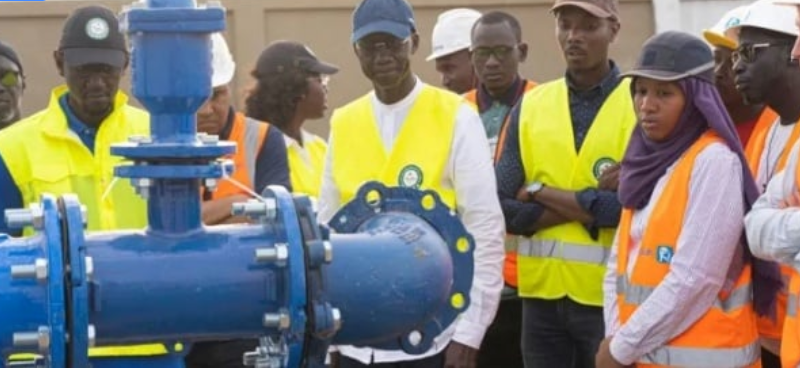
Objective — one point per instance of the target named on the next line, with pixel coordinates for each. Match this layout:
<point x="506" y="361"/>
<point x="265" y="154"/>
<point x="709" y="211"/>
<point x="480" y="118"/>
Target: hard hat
<point x="787" y="2"/>
<point x="222" y="64"/>
<point x="767" y="15"/>
<point x="452" y="32"/>
<point x="722" y="34"/>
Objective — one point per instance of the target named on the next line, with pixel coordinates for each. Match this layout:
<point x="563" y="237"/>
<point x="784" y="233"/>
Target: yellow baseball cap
<point x="721" y="35"/>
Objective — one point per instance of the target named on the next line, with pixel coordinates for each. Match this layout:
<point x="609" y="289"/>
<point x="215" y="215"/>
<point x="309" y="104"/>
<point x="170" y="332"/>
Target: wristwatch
<point x="534" y="188"/>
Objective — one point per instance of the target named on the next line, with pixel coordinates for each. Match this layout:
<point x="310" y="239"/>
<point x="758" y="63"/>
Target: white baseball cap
<point x="222" y="63"/>
<point x="452" y="32"/>
<point x="722" y="34"/>
<point x="768" y="15"/>
<point x="787" y="2"/>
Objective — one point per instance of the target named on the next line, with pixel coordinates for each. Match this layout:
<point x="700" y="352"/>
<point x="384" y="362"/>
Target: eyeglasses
<point x="9" y="79"/>
<point x="748" y="53"/>
<point x="392" y="45"/>
<point x="500" y="53"/>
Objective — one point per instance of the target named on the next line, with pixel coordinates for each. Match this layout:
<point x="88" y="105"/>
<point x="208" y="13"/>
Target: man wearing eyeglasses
<point x="557" y="177"/>
<point x="750" y="119"/>
<point x="12" y="86"/>
<point x="497" y="51"/>
<point x="765" y="74"/>
<point x="415" y="135"/>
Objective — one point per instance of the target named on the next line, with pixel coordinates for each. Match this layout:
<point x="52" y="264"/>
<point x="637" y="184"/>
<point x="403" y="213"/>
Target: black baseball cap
<point x="284" y="55"/>
<point x="674" y="55"/>
<point x="92" y="35"/>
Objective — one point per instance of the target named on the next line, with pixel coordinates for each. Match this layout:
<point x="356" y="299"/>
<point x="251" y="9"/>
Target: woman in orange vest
<point x="291" y="87"/>
<point x="679" y="290"/>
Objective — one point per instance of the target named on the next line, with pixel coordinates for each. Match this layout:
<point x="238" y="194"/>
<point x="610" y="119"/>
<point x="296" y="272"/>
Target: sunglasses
<point x="10" y="79"/>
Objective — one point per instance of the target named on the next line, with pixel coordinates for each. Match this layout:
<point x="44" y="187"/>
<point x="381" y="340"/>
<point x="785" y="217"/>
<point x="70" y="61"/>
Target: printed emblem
<point x="601" y="165"/>
<point x="410" y="176"/>
<point x="734" y="21"/>
<point x="97" y="28"/>
<point x="664" y="254"/>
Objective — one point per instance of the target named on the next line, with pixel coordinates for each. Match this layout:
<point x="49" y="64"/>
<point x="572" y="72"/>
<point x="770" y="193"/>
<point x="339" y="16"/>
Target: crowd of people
<point x="621" y="217"/>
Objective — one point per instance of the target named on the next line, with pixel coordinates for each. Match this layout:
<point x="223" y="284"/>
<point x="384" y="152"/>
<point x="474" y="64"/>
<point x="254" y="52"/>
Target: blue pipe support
<point x="401" y="272"/>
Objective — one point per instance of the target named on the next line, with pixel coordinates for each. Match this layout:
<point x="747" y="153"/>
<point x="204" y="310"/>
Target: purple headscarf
<point x="646" y="161"/>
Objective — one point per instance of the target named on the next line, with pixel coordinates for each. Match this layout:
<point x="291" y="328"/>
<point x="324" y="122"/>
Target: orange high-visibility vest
<point x="726" y="335"/>
<point x="790" y="343"/>
<point x="758" y="139"/>
<point x="768" y="327"/>
<point x="249" y="136"/>
<point x="510" y="265"/>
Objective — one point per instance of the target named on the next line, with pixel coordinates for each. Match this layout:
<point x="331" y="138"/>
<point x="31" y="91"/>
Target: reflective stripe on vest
<point x="572" y="252"/>
<point x="791" y="308"/>
<point x="552" y="270"/>
<point x="417" y="159"/>
<point x="637" y="294"/>
<point x="252" y="141"/>
<point x="704" y="357"/>
<point x="249" y="135"/>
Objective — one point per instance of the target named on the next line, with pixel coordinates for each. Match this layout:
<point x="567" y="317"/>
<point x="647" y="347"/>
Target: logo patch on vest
<point x="410" y="176"/>
<point x="664" y="254"/>
<point x="601" y="165"/>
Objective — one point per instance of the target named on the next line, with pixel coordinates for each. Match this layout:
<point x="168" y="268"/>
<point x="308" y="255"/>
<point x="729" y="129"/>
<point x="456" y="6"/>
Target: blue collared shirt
<point x="602" y="205"/>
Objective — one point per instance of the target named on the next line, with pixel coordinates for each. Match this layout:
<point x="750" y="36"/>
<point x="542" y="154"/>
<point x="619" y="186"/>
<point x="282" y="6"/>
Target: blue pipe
<point x="408" y="282"/>
<point x="206" y="285"/>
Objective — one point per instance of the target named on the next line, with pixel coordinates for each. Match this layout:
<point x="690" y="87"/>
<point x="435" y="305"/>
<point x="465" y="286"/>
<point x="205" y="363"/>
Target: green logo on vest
<point x="410" y="176"/>
<point x="601" y="165"/>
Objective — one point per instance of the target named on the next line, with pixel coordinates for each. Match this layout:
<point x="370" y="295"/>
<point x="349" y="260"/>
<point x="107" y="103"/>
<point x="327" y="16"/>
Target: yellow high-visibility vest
<point x="306" y="173"/>
<point x="418" y="156"/>
<point x="564" y="260"/>
<point x="44" y="156"/>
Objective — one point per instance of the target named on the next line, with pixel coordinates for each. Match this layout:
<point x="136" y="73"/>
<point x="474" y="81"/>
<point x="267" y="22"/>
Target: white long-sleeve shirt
<point x="773" y="232"/>
<point x="705" y="250"/>
<point x="469" y="171"/>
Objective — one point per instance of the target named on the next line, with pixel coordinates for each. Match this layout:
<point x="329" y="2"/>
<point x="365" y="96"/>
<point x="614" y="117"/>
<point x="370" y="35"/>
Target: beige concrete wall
<point x="34" y="28"/>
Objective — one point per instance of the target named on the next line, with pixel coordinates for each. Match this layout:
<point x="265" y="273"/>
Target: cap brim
<point x="591" y="8"/>
<point x="82" y="56"/>
<point x="323" y="68"/>
<point x="398" y="30"/>
<point x="718" y="40"/>
<point x="444" y="53"/>
<point x="662" y="75"/>
<point x="786" y="2"/>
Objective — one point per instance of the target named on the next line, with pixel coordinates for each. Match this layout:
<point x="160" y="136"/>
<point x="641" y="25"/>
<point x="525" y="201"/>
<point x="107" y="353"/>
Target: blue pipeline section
<point x="393" y="271"/>
<point x="407" y="281"/>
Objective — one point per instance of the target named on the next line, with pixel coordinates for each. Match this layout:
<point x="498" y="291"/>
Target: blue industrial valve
<point x="392" y="270"/>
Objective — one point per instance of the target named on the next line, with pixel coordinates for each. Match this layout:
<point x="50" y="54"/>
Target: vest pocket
<point x="55" y="180"/>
